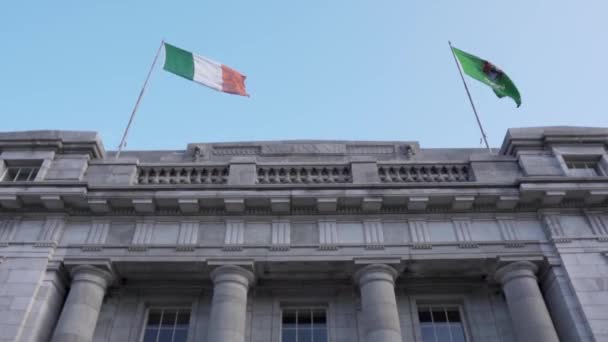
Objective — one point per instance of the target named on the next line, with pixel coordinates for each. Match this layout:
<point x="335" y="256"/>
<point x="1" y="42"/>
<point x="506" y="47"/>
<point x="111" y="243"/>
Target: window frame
<point x="567" y="154"/>
<point x="19" y="164"/>
<point x="445" y="306"/>
<point x="590" y="160"/>
<point x="456" y="300"/>
<point x="163" y="308"/>
<point x="325" y="308"/>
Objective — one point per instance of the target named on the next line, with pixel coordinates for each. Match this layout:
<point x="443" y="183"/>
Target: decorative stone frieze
<point x="462" y="230"/>
<point x="327" y="204"/>
<point x="8" y="228"/>
<point x="280" y="205"/>
<point x="373" y="234"/>
<point x="96" y="236"/>
<point x="370" y="149"/>
<point x="188" y="205"/>
<point x="235" y="235"/>
<point x="236" y="150"/>
<point x="417" y="203"/>
<point x="419" y="234"/>
<point x="371" y="204"/>
<point x="187" y="237"/>
<point x="553" y="228"/>
<point x="142" y="238"/>
<point x="144" y="205"/>
<point x="100" y="206"/>
<point x="508" y="233"/>
<point x="328" y="234"/>
<point x="51" y="231"/>
<point x="52" y="202"/>
<point x="10" y="201"/>
<point x="281" y="235"/>
<point x="598" y="223"/>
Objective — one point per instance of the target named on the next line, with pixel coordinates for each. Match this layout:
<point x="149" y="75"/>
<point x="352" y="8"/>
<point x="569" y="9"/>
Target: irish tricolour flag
<point x="204" y="71"/>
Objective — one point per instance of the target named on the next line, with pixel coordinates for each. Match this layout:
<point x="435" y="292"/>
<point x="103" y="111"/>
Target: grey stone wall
<point x="21" y="295"/>
<point x="304" y="217"/>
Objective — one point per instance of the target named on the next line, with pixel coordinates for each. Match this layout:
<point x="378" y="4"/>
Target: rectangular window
<point x="583" y="167"/>
<point x="20" y="173"/>
<point x="304" y="325"/>
<point x="167" y="325"/>
<point x="440" y="323"/>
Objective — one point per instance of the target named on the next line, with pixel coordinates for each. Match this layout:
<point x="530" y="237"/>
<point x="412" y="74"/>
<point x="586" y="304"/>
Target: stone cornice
<point x="66" y="142"/>
<point x="528" y="196"/>
<point x="538" y="138"/>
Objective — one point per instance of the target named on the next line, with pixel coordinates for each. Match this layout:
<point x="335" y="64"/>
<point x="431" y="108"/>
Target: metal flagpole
<point x="483" y="134"/>
<point x="141" y="93"/>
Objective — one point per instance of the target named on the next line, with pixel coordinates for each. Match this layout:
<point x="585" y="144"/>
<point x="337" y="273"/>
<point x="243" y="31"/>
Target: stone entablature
<point x="188" y="233"/>
<point x="530" y="172"/>
<point x="371" y="231"/>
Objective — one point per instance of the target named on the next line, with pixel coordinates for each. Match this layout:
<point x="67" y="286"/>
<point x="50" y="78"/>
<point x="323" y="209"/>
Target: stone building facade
<point x="305" y="240"/>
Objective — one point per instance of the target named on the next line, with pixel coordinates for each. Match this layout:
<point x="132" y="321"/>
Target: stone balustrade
<point x="430" y="173"/>
<point x="182" y="175"/>
<point x="322" y="174"/>
<point x="305" y="174"/>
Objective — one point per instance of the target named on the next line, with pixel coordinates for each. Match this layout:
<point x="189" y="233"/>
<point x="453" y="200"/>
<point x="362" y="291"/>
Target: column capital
<point x="516" y="270"/>
<point x="93" y="274"/>
<point x="376" y="272"/>
<point x="232" y="273"/>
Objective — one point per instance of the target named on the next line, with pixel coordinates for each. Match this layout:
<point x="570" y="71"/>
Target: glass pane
<point x="181" y="335"/>
<point x="319" y="335"/>
<point x="453" y="316"/>
<point x="183" y="319"/>
<point x="457" y="333"/>
<point x="443" y="333"/>
<point x="289" y="319"/>
<point x="23" y="174"/>
<point x="165" y="335"/>
<point x="154" y="318"/>
<point x="305" y="335"/>
<point x="424" y="316"/>
<point x="318" y="317"/>
<point x="439" y="315"/>
<point x="169" y="317"/>
<point x="288" y="335"/>
<point x="304" y="318"/>
<point x="428" y="334"/>
<point x="150" y="335"/>
<point x="33" y="175"/>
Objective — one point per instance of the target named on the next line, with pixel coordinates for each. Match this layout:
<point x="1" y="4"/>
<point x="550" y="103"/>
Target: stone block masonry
<point x="370" y="241"/>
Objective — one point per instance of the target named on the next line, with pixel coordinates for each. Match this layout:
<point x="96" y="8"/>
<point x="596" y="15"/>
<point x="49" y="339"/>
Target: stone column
<point x="527" y="307"/>
<point x="229" y="304"/>
<point x="80" y="311"/>
<point x="378" y="303"/>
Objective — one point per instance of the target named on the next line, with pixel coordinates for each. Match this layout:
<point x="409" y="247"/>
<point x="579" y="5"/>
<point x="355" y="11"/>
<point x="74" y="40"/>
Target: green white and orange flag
<point x="487" y="73"/>
<point x="204" y="71"/>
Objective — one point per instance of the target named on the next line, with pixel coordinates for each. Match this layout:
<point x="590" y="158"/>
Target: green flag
<point x="488" y="73"/>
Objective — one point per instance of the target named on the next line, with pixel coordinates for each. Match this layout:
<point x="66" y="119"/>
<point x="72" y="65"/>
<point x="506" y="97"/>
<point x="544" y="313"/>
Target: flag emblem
<point x="489" y="74"/>
<point x="204" y="71"/>
<point x="492" y="71"/>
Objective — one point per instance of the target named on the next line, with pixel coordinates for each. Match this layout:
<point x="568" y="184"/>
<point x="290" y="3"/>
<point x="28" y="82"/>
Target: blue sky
<point x="339" y="69"/>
